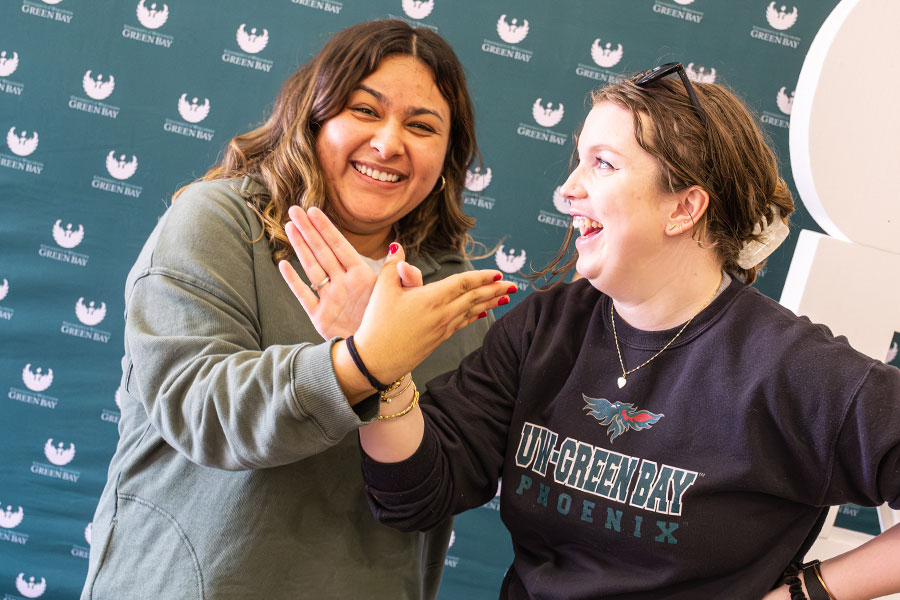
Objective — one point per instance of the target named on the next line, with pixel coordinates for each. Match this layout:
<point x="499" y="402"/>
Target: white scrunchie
<point x="768" y="236"/>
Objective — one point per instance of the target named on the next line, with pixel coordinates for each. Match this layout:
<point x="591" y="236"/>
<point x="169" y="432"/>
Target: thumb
<point x="410" y="276"/>
<point x="389" y="269"/>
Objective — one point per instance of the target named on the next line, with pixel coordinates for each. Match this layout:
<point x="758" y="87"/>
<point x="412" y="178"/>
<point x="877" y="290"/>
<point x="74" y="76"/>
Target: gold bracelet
<point x="393" y="386"/>
<point x="411" y="406"/>
<point x="387" y="399"/>
<point x="818" y="573"/>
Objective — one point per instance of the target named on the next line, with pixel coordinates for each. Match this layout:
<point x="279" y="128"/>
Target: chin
<point x="591" y="272"/>
<point x="584" y="268"/>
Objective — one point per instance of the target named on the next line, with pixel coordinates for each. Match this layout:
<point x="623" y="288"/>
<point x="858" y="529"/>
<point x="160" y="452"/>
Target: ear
<point x="691" y="205"/>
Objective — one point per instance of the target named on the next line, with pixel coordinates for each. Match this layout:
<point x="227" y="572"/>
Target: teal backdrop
<point x="106" y="108"/>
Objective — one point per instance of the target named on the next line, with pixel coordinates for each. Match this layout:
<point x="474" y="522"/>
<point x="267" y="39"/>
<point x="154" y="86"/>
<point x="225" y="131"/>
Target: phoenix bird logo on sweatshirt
<point x="619" y="416"/>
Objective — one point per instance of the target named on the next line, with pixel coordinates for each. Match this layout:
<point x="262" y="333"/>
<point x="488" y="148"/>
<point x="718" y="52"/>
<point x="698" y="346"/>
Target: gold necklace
<point x="621" y="381"/>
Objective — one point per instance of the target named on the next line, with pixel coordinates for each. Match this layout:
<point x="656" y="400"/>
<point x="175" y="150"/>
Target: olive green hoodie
<point x="237" y="473"/>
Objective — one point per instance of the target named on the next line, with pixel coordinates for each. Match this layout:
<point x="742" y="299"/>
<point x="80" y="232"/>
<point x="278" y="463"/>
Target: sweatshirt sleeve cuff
<point x="406" y="475"/>
<point x="318" y="396"/>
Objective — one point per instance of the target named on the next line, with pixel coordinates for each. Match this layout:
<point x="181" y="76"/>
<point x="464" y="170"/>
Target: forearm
<point x="244" y="409"/>
<point x="391" y="439"/>
<point x="869" y="571"/>
<point x="866" y="572"/>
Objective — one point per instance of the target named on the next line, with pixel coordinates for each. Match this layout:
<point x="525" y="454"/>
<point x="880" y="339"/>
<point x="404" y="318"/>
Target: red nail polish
<point x="503" y="300"/>
<point x="482" y="315"/>
<point x="498" y="277"/>
<point x="512" y="289"/>
<point x="393" y="248"/>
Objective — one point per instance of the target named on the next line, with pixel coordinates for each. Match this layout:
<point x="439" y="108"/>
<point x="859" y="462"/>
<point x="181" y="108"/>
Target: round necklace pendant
<point x="621" y="381"/>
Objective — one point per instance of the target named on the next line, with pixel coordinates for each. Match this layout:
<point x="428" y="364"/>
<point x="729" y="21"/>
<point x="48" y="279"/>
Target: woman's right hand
<point x="335" y="307"/>
<point x="401" y="325"/>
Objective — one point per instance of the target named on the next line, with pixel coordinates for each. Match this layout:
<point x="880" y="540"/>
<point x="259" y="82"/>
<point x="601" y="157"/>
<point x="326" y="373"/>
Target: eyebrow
<point x="410" y="112"/>
<point x="596" y="147"/>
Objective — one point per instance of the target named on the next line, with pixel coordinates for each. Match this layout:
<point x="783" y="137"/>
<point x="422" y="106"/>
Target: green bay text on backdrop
<point x="106" y="108"/>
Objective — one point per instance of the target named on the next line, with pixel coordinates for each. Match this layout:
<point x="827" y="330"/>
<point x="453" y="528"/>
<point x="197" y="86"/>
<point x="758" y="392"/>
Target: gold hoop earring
<point x="443" y="183"/>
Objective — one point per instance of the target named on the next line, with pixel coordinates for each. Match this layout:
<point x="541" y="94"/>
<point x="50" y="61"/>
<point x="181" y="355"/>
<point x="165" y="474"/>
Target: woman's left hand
<point x="323" y="252"/>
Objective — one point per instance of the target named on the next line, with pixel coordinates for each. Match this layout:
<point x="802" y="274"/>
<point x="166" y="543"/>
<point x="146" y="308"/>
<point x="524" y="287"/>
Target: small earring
<point x="680" y="229"/>
<point x="672" y="227"/>
<point x="443" y="183"/>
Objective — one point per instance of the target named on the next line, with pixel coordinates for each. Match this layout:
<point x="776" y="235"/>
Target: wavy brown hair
<point x="729" y="156"/>
<point x="281" y="153"/>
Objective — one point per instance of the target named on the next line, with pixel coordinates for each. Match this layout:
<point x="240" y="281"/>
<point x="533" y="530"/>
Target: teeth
<point x="584" y="225"/>
<point x="376" y="174"/>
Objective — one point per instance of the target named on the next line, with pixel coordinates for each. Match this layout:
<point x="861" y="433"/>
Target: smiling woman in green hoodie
<point x="237" y="473"/>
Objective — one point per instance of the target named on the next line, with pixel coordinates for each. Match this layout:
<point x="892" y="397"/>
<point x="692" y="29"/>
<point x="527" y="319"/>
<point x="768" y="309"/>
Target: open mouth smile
<point x="376" y="174"/>
<point x="586" y="226"/>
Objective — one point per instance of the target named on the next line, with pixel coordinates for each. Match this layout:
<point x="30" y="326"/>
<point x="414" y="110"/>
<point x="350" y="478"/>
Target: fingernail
<point x="482" y="315"/>
<point x="512" y="289"/>
<point x="393" y="248"/>
<point x="498" y="277"/>
<point x="502" y="301"/>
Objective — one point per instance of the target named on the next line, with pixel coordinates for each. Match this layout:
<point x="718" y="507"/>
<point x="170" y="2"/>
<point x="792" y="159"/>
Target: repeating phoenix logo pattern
<point x="21" y="144"/>
<point x="780" y="18"/>
<point x="547" y="116"/>
<point x="121" y="168"/>
<point x="59" y="455"/>
<point x="512" y="32"/>
<point x="606" y="55"/>
<point x="37" y="380"/>
<point x="89" y="314"/>
<point x="10" y="518"/>
<point x="152" y="17"/>
<point x="417" y="9"/>
<point x="68" y="237"/>
<point x="96" y="87"/>
<point x="478" y="180"/>
<point x="8" y="64"/>
<point x="20" y="61"/>
<point x="192" y="111"/>
<point x="785" y="102"/>
<point x="30" y="588"/>
<point x="252" y="42"/>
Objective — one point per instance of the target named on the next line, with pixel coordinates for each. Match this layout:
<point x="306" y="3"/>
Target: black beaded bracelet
<point x="351" y="348"/>
<point x="815" y="585"/>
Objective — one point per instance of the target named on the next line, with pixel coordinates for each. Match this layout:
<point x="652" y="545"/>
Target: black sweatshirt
<point x="701" y="478"/>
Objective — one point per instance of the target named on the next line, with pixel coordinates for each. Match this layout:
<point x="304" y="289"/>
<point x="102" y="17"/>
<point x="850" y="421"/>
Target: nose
<point x="387" y="139"/>
<point x="572" y="188"/>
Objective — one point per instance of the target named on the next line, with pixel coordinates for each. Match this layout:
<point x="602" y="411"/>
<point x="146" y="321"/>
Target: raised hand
<point x="336" y="306"/>
<point x="403" y="325"/>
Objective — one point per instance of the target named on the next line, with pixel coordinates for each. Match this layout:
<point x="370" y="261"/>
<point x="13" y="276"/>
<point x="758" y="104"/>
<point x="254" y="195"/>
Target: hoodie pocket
<point x="148" y="555"/>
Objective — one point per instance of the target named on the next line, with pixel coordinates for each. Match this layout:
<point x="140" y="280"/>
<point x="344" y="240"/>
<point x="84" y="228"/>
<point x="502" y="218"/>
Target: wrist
<point x="813" y="583"/>
<point x="374" y="363"/>
<point x="353" y="384"/>
<point x="396" y="389"/>
<point x="400" y="404"/>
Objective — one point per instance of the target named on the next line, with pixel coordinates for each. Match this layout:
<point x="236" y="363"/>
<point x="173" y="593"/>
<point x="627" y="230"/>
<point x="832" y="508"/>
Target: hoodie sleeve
<point x="467" y="418"/>
<point x="193" y="337"/>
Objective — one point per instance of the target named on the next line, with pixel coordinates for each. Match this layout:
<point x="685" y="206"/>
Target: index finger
<point x="318" y="246"/>
<point x="342" y="249"/>
<point x="462" y="283"/>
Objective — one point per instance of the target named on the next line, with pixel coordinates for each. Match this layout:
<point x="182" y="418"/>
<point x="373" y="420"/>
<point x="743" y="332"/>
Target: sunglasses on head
<point x="649" y="76"/>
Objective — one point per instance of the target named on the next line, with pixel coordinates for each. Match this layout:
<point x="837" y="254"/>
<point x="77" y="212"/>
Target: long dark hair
<point x="281" y="153"/>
